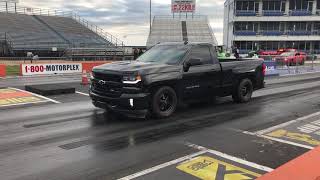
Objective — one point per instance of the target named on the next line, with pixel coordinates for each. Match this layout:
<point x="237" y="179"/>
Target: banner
<point x="178" y="6"/>
<point x="271" y="68"/>
<point x="47" y="69"/>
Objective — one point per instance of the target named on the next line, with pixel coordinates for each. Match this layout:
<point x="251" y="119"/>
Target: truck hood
<point x="136" y="66"/>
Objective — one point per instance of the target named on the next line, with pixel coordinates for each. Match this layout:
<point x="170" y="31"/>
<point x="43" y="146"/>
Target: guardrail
<point x="48" y="12"/>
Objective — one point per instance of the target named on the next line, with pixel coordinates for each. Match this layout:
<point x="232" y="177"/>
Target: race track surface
<point x="67" y="138"/>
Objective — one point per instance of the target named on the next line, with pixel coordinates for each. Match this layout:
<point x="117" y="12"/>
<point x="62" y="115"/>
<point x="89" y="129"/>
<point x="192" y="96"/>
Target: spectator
<point x="236" y="51"/>
<point x="35" y="58"/>
<point x="135" y="53"/>
<point x="140" y="52"/>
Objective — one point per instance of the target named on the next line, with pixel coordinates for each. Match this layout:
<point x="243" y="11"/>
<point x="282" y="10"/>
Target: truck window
<point x="203" y="53"/>
<point x="165" y="54"/>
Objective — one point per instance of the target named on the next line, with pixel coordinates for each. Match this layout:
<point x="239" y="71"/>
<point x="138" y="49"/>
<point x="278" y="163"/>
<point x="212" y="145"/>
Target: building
<point x="272" y="24"/>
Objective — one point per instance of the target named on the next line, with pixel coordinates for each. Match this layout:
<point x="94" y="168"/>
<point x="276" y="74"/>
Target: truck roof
<point x="189" y="43"/>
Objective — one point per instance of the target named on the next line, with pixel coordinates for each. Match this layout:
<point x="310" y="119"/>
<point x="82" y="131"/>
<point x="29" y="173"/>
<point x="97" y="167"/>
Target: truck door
<point x="201" y="81"/>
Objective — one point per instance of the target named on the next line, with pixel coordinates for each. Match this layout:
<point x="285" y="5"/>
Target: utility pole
<point x="150" y="14"/>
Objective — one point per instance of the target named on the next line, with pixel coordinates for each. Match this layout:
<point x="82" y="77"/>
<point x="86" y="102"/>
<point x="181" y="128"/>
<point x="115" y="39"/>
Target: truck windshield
<point x="165" y="54"/>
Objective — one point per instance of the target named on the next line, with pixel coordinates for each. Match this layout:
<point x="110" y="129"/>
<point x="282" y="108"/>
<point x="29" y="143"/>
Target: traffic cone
<point x="85" y="80"/>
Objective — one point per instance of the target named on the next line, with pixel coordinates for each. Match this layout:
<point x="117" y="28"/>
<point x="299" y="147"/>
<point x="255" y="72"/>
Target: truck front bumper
<point x="130" y="105"/>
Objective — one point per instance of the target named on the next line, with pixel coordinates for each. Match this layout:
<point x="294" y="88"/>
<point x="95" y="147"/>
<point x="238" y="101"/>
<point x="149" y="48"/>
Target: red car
<point x="278" y="52"/>
<point x="292" y="58"/>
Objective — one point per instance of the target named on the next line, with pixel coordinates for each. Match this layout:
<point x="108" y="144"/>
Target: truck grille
<point x="108" y="77"/>
<point x="108" y="85"/>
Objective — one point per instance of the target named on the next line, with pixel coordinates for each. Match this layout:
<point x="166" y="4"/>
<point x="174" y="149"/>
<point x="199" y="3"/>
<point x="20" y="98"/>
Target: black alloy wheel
<point x="243" y="92"/>
<point x="164" y="102"/>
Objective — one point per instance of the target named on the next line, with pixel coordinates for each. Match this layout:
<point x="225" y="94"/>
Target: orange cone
<point x="85" y="80"/>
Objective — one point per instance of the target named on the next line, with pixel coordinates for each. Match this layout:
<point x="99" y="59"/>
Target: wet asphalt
<point x="74" y="140"/>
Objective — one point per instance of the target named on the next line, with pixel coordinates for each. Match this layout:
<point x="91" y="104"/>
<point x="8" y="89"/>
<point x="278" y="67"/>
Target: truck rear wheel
<point x="164" y="102"/>
<point x="243" y="92"/>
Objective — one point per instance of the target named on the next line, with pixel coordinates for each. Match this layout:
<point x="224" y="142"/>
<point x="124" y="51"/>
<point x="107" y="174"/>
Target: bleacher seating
<point x="299" y="33"/>
<point x="169" y="29"/>
<point x="24" y="29"/>
<point x="199" y="31"/>
<point x="245" y="33"/>
<point x="273" y="13"/>
<point x="272" y="33"/>
<point x="300" y="13"/>
<point x="34" y="32"/>
<point x="244" y="51"/>
<point x="246" y="13"/>
<point x="73" y="31"/>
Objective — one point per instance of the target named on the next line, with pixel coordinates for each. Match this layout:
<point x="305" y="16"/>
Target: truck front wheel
<point x="243" y="92"/>
<point x="164" y="102"/>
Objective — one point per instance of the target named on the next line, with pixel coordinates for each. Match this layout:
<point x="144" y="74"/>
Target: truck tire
<point x="243" y="92"/>
<point x="164" y="102"/>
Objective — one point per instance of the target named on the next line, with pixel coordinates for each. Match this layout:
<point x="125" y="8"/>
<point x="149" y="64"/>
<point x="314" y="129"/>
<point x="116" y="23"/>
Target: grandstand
<point x="179" y="29"/>
<point x="49" y="33"/>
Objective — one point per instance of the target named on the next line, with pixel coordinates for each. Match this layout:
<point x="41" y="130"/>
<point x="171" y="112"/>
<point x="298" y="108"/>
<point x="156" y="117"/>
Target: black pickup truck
<point x="173" y="73"/>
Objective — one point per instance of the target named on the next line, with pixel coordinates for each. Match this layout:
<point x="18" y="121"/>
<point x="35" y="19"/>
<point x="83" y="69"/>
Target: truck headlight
<point x="131" y="79"/>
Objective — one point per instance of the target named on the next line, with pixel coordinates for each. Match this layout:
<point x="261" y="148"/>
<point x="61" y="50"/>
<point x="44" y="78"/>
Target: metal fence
<point x="283" y="67"/>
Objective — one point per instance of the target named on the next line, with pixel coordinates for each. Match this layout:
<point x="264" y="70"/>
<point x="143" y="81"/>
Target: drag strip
<point x="74" y="140"/>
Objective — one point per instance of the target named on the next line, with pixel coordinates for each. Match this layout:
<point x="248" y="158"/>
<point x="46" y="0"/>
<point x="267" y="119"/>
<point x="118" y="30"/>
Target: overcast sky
<point x="129" y="19"/>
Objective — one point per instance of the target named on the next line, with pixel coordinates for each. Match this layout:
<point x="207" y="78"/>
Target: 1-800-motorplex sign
<point x="47" y="69"/>
<point x="178" y="6"/>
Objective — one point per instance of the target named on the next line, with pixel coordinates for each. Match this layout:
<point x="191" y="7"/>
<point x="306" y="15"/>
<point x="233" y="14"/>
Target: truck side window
<point x="203" y="53"/>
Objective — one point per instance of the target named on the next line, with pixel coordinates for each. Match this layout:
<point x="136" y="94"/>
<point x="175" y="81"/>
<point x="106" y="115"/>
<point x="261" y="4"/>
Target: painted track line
<point x="278" y="140"/>
<point x="18" y="104"/>
<point x="37" y="95"/>
<point x="161" y="166"/>
<point x="85" y="94"/>
<point x="286" y="123"/>
<point x="232" y="158"/>
<point x="202" y="150"/>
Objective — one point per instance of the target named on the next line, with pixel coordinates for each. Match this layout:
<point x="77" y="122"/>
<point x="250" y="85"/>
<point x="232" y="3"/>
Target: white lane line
<point x="18" y="104"/>
<point x="85" y="94"/>
<point x="161" y="166"/>
<point x="232" y="158"/>
<point x="202" y="150"/>
<point x="278" y="140"/>
<point x="286" y="123"/>
<point x="37" y="95"/>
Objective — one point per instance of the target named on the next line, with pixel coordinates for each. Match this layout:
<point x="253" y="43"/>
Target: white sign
<point x="46" y="69"/>
<point x="178" y="6"/>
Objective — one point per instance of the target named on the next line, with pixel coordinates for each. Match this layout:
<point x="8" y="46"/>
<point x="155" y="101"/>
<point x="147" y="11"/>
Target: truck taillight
<point x="264" y="69"/>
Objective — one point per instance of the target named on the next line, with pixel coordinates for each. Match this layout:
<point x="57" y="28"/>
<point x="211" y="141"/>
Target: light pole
<point x="150" y="14"/>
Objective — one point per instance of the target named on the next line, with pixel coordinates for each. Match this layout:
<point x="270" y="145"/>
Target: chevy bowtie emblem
<point x="102" y="82"/>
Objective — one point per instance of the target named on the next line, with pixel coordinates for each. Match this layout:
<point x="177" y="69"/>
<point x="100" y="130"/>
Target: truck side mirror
<point x="191" y="62"/>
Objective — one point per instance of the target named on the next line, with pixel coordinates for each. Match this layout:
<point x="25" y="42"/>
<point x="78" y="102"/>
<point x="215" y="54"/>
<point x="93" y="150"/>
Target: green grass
<point x="13" y="70"/>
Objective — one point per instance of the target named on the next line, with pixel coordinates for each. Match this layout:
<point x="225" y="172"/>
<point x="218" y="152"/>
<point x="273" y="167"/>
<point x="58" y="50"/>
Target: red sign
<point x="183" y="6"/>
